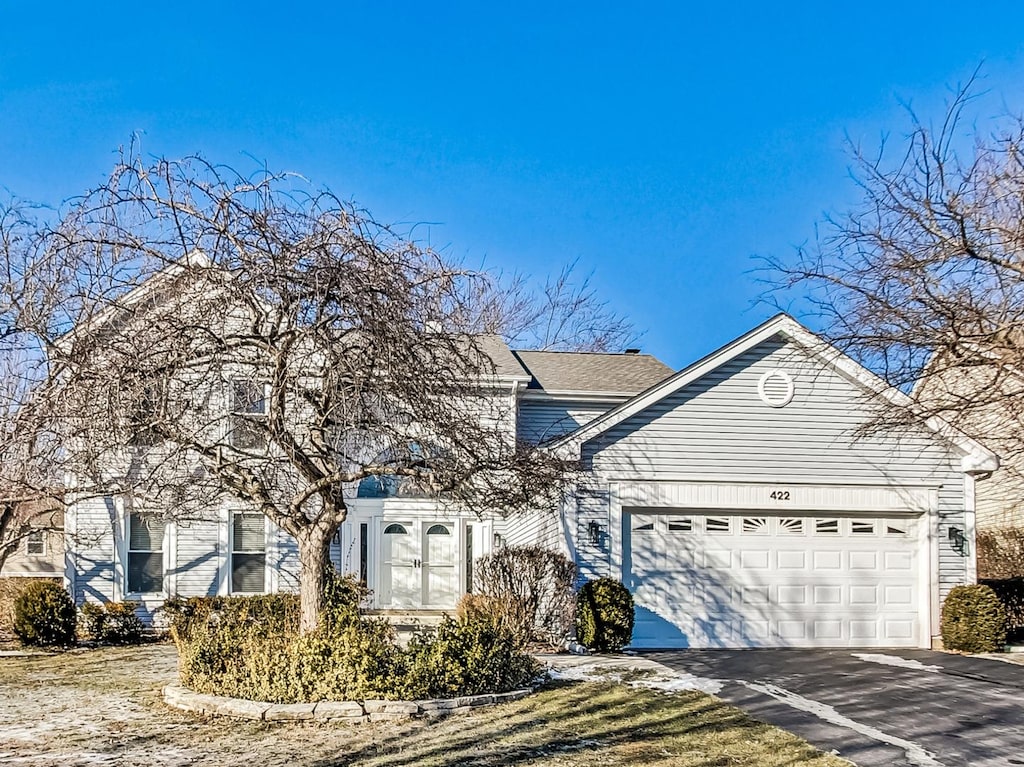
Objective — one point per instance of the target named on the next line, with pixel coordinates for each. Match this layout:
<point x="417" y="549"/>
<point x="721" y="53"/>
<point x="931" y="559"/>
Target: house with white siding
<point x="740" y="499"/>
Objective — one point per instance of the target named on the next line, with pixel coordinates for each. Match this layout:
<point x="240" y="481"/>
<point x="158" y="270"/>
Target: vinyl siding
<point x="542" y="420"/>
<point x="200" y="558"/>
<point x="717" y="429"/>
<point x="532" y="528"/>
<point x="91" y="525"/>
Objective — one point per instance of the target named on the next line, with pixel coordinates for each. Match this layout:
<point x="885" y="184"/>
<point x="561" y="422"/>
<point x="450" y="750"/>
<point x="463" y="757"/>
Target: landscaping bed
<point x="104" y="707"/>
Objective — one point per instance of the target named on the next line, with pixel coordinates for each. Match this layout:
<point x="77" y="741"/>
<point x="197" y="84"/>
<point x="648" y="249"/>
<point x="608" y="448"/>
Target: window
<point x="248" y="414"/>
<point x="681" y="525"/>
<point x="791" y="526"/>
<point x="826" y="527"/>
<point x="642" y="527"/>
<point x="145" y="410"/>
<point x="364" y="553"/>
<point x="717" y="524"/>
<point x="35" y="543"/>
<point x="755" y="526"/>
<point x="860" y="527"/>
<point x="897" y="527"/>
<point x="145" y="553"/>
<point x="248" y="553"/>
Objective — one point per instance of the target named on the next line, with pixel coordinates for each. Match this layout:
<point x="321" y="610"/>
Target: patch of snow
<point x="895" y="660"/>
<point x="915" y="753"/>
<point x="657" y="677"/>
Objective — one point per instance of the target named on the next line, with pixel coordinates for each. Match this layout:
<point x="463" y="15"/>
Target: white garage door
<point x="732" y="580"/>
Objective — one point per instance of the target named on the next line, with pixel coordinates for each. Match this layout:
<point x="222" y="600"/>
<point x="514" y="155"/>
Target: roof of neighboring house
<point x="593" y="372"/>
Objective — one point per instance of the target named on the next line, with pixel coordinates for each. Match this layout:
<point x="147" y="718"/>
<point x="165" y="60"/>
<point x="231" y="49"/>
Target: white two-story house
<point x="738" y="499"/>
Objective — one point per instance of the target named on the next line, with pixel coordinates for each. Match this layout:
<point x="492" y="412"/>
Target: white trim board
<point x="779" y="496"/>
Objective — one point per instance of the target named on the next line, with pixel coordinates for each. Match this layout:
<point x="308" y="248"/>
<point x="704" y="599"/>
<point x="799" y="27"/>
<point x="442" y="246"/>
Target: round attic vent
<point x="775" y="388"/>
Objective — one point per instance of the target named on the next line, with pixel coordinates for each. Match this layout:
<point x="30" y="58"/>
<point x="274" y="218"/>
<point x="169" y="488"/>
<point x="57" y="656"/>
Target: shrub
<point x="249" y="647"/>
<point x="604" y="615"/>
<point x="1000" y="553"/>
<point x="973" y="620"/>
<point x="534" y="586"/>
<point x="44" y="614"/>
<point x="1011" y="593"/>
<point x="465" y="657"/>
<point x="113" y="622"/>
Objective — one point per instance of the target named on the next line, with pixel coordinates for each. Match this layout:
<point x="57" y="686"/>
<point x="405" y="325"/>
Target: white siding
<point x="718" y="430"/>
<point x="532" y="528"/>
<point x="542" y="420"/>
<point x="91" y="537"/>
<point x="200" y="558"/>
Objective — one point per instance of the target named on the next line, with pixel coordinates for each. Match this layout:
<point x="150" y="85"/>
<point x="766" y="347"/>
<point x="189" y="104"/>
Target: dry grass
<point x="102" y="707"/>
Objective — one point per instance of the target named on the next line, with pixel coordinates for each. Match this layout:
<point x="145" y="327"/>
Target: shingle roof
<point x="593" y="372"/>
<point x="506" y="365"/>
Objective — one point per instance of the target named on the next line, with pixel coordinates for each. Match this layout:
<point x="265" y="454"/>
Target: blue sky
<point x="662" y="144"/>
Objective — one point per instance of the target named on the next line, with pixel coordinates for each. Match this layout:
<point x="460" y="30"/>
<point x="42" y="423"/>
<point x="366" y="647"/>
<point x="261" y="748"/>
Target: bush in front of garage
<point x="973" y="620"/>
<point x="604" y="615"/>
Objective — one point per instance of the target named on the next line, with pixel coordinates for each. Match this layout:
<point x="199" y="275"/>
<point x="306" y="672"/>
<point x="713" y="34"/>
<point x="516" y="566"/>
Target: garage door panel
<point x="758" y="580"/>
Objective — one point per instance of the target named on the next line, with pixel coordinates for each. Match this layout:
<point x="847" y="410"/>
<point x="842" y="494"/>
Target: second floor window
<point x="248" y="415"/>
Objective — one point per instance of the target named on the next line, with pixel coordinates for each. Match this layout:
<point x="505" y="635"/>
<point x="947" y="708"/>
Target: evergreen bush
<point x="44" y="614"/>
<point x="973" y="620"/>
<point x="113" y="622"/>
<point x="604" y="615"/>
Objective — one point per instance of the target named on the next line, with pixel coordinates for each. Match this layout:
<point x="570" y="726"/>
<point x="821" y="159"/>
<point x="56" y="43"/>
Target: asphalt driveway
<point x="876" y="707"/>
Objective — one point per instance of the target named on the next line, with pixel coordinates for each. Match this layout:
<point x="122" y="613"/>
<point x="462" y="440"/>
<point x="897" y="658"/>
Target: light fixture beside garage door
<point x="775" y="388"/>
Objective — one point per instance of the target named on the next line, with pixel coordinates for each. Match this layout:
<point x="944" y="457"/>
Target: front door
<point x="419" y="565"/>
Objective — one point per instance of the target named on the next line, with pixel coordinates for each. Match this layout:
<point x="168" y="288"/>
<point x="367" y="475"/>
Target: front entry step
<point x="410" y="621"/>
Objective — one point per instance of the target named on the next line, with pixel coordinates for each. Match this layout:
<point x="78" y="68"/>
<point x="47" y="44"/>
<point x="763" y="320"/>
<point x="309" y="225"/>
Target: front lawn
<point x="103" y="707"/>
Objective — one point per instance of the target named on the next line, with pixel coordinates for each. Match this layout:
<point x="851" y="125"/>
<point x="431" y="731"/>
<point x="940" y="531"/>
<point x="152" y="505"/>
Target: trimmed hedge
<point x="113" y="622"/>
<point x="604" y="615"/>
<point x="249" y="647"/>
<point x="973" y="620"/>
<point x="44" y="614"/>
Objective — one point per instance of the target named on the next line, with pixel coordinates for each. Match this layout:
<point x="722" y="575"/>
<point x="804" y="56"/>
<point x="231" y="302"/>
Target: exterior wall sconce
<point x="594" y="533"/>
<point x="958" y="540"/>
<point x="498" y="541"/>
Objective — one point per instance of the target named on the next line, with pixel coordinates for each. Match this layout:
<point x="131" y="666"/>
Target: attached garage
<point x="754" y="579"/>
<point x="761" y="497"/>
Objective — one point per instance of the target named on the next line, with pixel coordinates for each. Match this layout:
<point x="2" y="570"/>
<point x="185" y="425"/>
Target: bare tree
<point x="251" y="338"/>
<point x="923" y="281"/>
<point x="565" y="313"/>
<point x="31" y="483"/>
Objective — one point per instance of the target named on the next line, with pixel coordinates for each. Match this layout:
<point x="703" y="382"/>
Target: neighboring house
<point x="735" y="498"/>
<point x="40" y="552"/>
<point x="986" y="401"/>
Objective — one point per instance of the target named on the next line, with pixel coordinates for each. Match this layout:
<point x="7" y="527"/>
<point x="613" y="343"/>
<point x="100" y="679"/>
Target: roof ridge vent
<point x="631" y="351"/>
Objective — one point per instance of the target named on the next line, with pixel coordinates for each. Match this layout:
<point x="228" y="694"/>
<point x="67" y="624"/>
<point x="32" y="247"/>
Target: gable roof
<point x="592" y="372"/>
<point x="977" y="458"/>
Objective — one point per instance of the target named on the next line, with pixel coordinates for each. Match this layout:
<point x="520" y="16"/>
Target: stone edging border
<point x="349" y="711"/>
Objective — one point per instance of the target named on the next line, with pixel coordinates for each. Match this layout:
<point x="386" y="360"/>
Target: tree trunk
<point x="314" y="559"/>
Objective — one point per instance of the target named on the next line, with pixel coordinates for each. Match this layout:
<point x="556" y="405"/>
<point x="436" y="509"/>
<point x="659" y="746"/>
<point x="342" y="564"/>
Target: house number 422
<point x="779" y="495"/>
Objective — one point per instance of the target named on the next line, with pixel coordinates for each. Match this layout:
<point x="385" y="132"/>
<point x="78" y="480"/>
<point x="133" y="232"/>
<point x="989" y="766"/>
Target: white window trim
<point x="42" y="540"/>
<point x="170" y="549"/>
<point x="232" y="413"/>
<point x="268" y="585"/>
